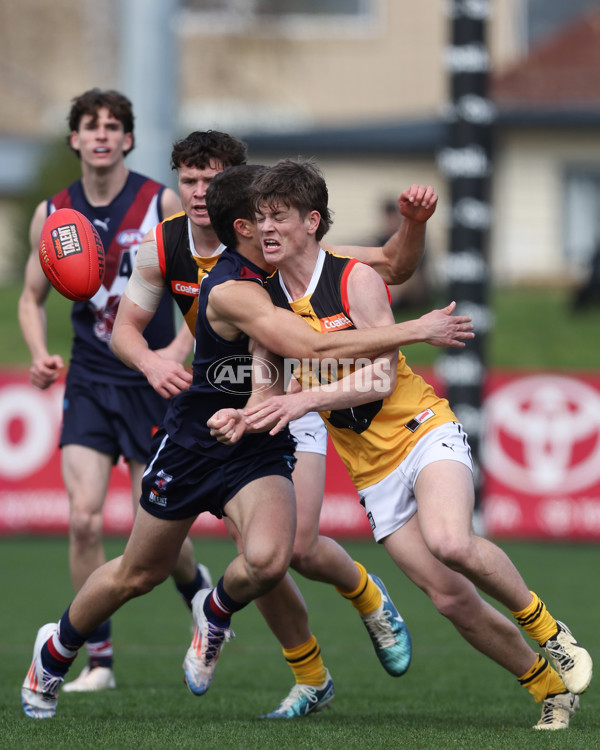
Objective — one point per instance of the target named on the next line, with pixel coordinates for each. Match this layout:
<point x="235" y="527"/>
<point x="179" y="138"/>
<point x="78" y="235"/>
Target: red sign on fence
<point x="33" y="498"/>
<point x="540" y="458"/>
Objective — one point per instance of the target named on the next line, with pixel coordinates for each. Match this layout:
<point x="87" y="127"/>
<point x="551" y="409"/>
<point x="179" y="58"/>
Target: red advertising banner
<point x="540" y="458"/>
<point x="32" y="495"/>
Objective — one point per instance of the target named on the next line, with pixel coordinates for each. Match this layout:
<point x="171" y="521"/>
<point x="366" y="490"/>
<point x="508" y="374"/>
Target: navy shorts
<point x="112" y="419"/>
<point x="179" y="483"/>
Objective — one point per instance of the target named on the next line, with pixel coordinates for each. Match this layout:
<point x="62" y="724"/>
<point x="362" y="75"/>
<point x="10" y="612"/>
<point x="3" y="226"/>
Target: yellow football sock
<point x="536" y="621"/>
<point x="542" y="680"/>
<point x="306" y="663"/>
<point x="366" y="597"/>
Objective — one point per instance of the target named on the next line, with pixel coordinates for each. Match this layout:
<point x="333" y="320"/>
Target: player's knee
<point x="452" y="605"/>
<point x="140" y="582"/>
<point x="444" y="604"/>
<point x="266" y="568"/>
<point x="299" y="561"/>
<point x="305" y="549"/>
<point x="302" y="558"/>
<point x="85" y="529"/>
<point x="455" y="552"/>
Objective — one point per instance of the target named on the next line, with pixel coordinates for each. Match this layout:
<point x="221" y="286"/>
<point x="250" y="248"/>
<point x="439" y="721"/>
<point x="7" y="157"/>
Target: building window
<point x="542" y="18"/>
<point x="263" y="17"/>
<point x="281" y="8"/>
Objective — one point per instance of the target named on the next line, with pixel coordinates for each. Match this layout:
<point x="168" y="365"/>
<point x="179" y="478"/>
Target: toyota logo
<point x="542" y="434"/>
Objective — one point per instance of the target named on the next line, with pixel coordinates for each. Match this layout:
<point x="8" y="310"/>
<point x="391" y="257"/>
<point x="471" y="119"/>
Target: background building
<point x="360" y="84"/>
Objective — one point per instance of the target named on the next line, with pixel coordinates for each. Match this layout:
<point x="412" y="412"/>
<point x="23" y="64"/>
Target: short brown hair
<point x="200" y="148"/>
<point x="228" y="197"/>
<point x="90" y="102"/>
<point x="297" y="185"/>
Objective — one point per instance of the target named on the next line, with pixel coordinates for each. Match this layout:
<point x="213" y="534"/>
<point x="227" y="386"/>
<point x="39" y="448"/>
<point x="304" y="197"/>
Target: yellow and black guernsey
<point x="372" y="439"/>
<point x="181" y="269"/>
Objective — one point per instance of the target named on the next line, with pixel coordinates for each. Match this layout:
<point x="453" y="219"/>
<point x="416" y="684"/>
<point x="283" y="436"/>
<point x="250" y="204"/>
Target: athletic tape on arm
<point x="147" y="255"/>
<point x="142" y="292"/>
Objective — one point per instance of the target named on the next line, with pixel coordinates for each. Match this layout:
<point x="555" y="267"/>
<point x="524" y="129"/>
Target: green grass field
<point x="451" y="697"/>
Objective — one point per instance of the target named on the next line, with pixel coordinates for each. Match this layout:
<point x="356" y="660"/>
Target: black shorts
<point x="112" y="419"/>
<point x="179" y="483"/>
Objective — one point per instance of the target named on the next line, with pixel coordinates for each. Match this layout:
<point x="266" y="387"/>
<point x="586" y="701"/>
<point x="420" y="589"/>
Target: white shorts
<point x="310" y="434"/>
<point x="391" y="502"/>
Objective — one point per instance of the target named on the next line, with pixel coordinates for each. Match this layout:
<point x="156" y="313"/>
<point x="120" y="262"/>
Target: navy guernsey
<point x="121" y="225"/>
<point x="221" y="376"/>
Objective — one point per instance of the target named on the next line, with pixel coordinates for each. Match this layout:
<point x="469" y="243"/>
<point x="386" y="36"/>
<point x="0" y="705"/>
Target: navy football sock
<point x="189" y="590"/>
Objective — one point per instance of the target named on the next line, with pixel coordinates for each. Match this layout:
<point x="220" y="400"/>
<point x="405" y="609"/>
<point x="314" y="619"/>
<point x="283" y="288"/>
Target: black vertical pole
<point x="466" y="161"/>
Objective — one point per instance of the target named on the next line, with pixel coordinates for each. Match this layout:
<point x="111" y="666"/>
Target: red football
<point x="71" y="254"/>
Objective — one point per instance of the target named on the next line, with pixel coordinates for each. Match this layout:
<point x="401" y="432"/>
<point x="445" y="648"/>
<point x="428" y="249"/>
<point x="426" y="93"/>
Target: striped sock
<point x="536" y="621"/>
<point x="306" y="663"/>
<point x="59" y="652"/>
<point x="55" y="657"/>
<point x="100" y="647"/>
<point x="366" y="597"/>
<point x="542" y="680"/>
<point x="219" y="606"/>
<point x="69" y="636"/>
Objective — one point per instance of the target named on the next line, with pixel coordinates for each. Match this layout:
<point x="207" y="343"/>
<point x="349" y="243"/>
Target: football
<point x="71" y="254"/>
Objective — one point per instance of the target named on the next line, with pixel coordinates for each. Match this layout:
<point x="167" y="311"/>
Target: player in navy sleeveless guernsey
<point x="221" y="375"/>
<point x="109" y="409"/>
<point x="121" y="225"/>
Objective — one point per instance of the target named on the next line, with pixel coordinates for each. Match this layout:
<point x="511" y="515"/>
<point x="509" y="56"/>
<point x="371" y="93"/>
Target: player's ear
<point x="313" y="219"/>
<point x="244" y="227"/>
<point x="74" y="140"/>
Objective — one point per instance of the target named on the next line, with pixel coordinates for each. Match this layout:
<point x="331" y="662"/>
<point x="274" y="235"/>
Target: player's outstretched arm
<point x="398" y="259"/>
<point x="246" y="307"/>
<point x="369" y="383"/>
<point x="442" y="328"/>
<point x="370" y="380"/>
